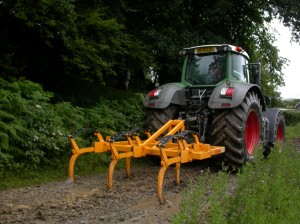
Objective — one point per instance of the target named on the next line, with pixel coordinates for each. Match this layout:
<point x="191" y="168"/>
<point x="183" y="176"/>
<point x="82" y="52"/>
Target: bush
<point x="292" y="117"/>
<point x="32" y="135"/>
<point x="33" y="131"/>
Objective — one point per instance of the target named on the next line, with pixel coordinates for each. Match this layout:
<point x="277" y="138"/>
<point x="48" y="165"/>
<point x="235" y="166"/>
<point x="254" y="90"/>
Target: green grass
<point x="86" y="164"/>
<point x="293" y="131"/>
<point x="29" y="178"/>
<point x="264" y="192"/>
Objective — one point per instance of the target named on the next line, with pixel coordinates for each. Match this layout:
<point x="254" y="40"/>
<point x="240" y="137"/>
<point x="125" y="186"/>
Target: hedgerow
<point x="33" y="130"/>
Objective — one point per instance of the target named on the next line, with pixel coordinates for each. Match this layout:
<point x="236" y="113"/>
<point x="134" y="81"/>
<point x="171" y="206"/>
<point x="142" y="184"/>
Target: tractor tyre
<point x="156" y="118"/>
<point x="239" y="129"/>
<point x="276" y="128"/>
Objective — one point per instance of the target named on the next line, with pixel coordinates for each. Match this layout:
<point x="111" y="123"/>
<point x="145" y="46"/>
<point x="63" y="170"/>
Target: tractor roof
<point x="204" y="49"/>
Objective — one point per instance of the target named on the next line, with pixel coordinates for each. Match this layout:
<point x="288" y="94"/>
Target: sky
<point x="290" y="51"/>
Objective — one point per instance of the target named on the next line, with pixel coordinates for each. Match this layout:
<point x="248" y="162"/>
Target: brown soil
<point x="132" y="200"/>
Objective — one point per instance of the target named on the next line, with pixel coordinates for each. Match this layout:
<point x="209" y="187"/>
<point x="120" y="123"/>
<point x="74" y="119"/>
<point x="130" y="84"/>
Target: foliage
<point x="256" y="196"/>
<point x="33" y="131"/>
<point x="63" y="42"/>
<point x="293" y="131"/>
<point x="111" y="115"/>
<point x="292" y="117"/>
<point x="288" y="12"/>
<point x="54" y="41"/>
<point x="243" y="23"/>
<point x="195" y="204"/>
<point x="290" y="104"/>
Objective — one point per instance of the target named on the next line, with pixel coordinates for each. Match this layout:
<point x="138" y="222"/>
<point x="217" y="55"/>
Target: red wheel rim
<point x="252" y="132"/>
<point x="279" y="136"/>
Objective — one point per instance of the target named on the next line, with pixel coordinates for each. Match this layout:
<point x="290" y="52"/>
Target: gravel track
<point x="86" y="201"/>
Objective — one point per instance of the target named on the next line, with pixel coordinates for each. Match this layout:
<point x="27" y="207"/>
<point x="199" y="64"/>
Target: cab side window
<point x="238" y="68"/>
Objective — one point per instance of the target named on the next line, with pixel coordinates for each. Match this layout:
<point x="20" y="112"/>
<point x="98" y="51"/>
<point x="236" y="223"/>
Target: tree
<point x="57" y="41"/>
<point x="288" y="11"/>
<point x="168" y="27"/>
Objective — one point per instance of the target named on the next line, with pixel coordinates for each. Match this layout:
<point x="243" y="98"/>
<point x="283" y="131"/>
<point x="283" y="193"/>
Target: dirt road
<point x="132" y="200"/>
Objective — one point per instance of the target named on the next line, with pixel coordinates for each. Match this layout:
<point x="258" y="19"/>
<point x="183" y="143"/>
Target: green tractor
<point x="217" y="100"/>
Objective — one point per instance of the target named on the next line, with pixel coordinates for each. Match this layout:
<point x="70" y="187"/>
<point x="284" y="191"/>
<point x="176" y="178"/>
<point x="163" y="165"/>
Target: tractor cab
<point x="212" y="65"/>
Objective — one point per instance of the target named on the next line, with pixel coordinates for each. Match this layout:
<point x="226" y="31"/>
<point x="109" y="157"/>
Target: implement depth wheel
<point x="239" y="130"/>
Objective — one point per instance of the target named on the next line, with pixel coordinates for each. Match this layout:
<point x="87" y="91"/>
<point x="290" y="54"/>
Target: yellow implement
<point x="172" y="148"/>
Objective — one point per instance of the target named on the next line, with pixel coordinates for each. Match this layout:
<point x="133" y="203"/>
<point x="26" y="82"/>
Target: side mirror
<point x="256" y="73"/>
<point x="254" y="68"/>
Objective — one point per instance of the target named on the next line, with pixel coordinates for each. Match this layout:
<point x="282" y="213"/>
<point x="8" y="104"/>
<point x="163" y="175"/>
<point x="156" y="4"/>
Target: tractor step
<point x="172" y="148"/>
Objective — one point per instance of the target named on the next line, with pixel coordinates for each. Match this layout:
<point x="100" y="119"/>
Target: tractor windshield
<point x="206" y="69"/>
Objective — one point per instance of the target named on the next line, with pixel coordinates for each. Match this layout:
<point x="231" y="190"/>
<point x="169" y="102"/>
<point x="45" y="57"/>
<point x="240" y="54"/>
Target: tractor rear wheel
<point x="156" y="118"/>
<point x="239" y="130"/>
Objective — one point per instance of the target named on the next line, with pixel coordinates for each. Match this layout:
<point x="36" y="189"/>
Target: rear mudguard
<point x="175" y="93"/>
<point x="171" y="93"/>
<point x="239" y="93"/>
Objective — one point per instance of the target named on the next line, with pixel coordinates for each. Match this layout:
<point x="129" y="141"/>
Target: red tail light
<point x="227" y="92"/>
<point x="154" y="93"/>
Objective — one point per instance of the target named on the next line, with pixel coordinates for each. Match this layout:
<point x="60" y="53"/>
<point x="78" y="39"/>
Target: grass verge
<point x="293" y="131"/>
<point x="264" y="192"/>
<point x="86" y="164"/>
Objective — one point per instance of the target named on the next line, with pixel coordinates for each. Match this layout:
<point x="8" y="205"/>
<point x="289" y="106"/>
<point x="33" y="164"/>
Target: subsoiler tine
<point x="160" y="183"/>
<point x="76" y="151"/>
